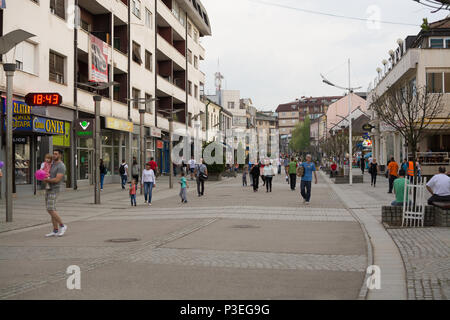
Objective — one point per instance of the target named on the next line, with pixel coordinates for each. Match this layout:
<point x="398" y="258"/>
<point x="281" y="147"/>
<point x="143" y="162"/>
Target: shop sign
<point x="159" y="144"/>
<point x="49" y="126"/>
<point x="20" y="122"/>
<point x="118" y="124"/>
<point x="155" y="132"/>
<point x="20" y="140"/>
<point x="63" y="140"/>
<point x="19" y="107"/>
<point x="85" y="127"/>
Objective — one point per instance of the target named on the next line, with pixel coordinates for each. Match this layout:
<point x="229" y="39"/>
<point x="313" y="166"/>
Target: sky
<point x="275" y="55"/>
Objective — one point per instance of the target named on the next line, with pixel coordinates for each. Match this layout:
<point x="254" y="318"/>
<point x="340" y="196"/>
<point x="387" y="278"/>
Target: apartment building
<point x="150" y="48"/>
<point x="266" y="126"/>
<point x="421" y="60"/>
<point x="315" y="106"/>
<point x="216" y="120"/>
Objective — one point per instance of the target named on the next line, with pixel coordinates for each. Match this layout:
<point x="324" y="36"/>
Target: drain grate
<point x="245" y="226"/>
<point x="123" y="240"/>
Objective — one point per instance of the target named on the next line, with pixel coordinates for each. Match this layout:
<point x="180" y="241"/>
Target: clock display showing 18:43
<point x="43" y="99"/>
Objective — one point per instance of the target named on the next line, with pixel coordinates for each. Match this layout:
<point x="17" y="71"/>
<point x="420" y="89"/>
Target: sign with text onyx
<point x="85" y="127"/>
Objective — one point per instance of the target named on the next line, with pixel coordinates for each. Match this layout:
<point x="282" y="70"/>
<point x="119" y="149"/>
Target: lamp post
<point x="98" y="86"/>
<point x="350" y="91"/>
<point x="170" y="118"/>
<point x="7" y="42"/>
<point x="142" y="109"/>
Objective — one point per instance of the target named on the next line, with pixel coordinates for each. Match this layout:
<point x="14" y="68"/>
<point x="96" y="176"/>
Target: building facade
<point x="150" y="49"/>
<point x="422" y="61"/>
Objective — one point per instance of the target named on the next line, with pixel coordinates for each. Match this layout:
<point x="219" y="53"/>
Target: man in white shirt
<point x="192" y="167"/>
<point x="439" y="187"/>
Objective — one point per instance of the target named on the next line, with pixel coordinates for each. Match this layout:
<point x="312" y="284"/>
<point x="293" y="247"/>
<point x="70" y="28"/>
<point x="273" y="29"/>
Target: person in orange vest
<point x="410" y="170"/>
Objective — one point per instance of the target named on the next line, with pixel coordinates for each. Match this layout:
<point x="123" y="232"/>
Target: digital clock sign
<point x="43" y="99"/>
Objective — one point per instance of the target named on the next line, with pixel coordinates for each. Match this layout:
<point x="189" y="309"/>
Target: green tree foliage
<point x="301" y="139"/>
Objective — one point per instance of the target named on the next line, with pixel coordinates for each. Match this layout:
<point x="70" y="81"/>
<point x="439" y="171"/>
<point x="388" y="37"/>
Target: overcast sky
<point x="274" y="55"/>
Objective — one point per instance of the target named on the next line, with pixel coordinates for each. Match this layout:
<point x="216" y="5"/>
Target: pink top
<point x="46" y="167"/>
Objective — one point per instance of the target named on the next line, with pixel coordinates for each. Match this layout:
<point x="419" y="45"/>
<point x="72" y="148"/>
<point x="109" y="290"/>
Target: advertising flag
<point x="98" y="60"/>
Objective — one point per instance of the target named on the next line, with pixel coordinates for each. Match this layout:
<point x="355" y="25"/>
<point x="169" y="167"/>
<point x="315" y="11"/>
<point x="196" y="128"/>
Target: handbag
<point x="203" y="176"/>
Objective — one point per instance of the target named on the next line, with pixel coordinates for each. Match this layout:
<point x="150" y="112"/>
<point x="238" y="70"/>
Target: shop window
<point x="22" y="163"/>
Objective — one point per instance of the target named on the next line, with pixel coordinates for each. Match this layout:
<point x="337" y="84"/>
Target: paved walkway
<point x="230" y="244"/>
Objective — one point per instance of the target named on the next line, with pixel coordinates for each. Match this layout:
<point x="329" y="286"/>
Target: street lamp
<point x="142" y="109"/>
<point x="97" y="86"/>
<point x="350" y="91"/>
<point x="170" y="118"/>
<point x="7" y="42"/>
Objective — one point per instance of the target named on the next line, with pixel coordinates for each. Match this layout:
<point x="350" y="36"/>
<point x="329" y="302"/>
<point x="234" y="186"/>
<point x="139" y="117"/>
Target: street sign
<point x="367" y="127"/>
<point x="41" y="99"/>
<point x="85" y="127"/>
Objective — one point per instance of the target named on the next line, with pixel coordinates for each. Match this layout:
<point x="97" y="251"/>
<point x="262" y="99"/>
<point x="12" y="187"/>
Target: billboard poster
<point x="98" y="60"/>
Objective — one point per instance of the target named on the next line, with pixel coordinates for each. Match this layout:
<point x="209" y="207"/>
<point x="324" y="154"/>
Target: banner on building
<point x="98" y="60"/>
<point x="155" y="132"/>
<point x="48" y="126"/>
<point x="118" y="124"/>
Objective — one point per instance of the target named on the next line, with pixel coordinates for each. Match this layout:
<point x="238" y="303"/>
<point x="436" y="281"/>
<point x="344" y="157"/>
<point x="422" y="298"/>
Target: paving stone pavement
<point x="426" y="255"/>
<point x="239" y="259"/>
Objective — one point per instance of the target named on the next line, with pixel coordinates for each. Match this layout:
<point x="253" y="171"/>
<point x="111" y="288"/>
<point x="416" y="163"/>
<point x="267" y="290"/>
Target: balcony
<point x="165" y="17"/>
<point x="171" y="52"/>
<point x="167" y="86"/>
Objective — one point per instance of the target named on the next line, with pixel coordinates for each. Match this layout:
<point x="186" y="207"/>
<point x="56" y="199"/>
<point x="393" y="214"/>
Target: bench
<point x="442" y="213"/>
<point x="345" y="179"/>
<point x="434" y="216"/>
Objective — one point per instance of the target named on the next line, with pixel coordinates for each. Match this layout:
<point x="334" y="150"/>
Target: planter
<point x="215" y="176"/>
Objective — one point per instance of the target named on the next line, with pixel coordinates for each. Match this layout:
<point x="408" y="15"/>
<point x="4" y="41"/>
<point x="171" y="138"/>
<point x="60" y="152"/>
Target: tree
<point x="410" y="111"/>
<point x="300" y="141"/>
<point x="436" y="5"/>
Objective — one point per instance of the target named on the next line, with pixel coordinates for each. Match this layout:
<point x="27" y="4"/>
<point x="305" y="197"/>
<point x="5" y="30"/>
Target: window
<point x="189" y="56"/>
<point x="148" y="104"/>
<point x="57" y="7"/>
<point x="136" y="94"/>
<point x="231" y="105"/>
<point x="189" y="29"/>
<point x="85" y="26"/>
<point x="26" y="57"/>
<point x="447" y="82"/>
<point x="447" y="43"/>
<point x="148" y="60"/>
<point x="195" y="35"/>
<point x="190" y="88"/>
<point x="436" y="43"/>
<point x="435" y="82"/>
<point x="137" y="53"/>
<point x="196" y="91"/>
<point x="56" y="67"/>
<point x="148" y="19"/>
<point x="195" y="62"/>
<point x="136" y="8"/>
<point x="294" y="114"/>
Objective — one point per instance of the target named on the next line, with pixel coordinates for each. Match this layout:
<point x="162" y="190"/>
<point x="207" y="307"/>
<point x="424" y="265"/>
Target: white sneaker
<point x="149" y="204"/>
<point x="62" y="231"/>
<point x="307" y="202"/>
<point x="52" y="234"/>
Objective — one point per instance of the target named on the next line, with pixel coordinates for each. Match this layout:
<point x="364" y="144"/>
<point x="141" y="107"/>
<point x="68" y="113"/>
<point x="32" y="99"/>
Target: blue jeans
<point x="396" y="204"/>
<point x="305" y="189"/>
<point x="124" y="179"/>
<point x="133" y="199"/>
<point x="102" y="178"/>
<point x="148" y="188"/>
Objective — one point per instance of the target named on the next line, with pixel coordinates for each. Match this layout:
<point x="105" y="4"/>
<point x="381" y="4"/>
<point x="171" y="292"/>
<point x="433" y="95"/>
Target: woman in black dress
<point x="373" y="170"/>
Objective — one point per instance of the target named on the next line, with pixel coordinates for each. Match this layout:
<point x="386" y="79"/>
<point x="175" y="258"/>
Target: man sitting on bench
<point x="439" y="187"/>
<point x="333" y="170"/>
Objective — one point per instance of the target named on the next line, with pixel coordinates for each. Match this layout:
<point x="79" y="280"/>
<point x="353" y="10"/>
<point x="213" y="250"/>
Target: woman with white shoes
<point x="149" y="182"/>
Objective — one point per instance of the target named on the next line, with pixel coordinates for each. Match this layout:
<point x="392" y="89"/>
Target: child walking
<point x="133" y="192"/>
<point x="46" y="166"/>
<point x="244" y="176"/>
<point x="184" y="185"/>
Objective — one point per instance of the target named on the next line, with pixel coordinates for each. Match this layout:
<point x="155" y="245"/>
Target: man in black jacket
<point x="255" y="176"/>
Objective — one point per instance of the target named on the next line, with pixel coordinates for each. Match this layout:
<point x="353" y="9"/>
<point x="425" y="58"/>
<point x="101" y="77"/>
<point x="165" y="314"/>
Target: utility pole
<point x="97" y="100"/>
<point x="350" y="146"/>
<point x="9" y="68"/>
